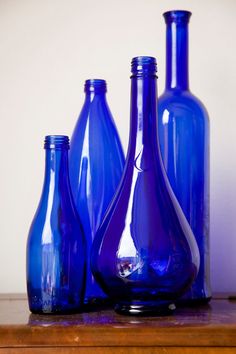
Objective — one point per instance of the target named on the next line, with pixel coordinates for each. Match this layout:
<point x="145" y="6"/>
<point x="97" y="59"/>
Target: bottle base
<point x="55" y="301"/>
<point x="145" y="308"/>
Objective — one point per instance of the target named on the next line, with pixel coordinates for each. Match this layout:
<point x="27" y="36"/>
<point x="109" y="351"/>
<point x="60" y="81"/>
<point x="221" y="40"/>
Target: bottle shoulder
<point x="50" y="222"/>
<point x="181" y="102"/>
<point x="94" y="109"/>
<point x="96" y="117"/>
<point x="95" y="136"/>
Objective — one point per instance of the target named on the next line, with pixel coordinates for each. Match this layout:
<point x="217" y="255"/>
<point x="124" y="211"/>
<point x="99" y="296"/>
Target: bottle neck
<point x="56" y="169"/>
<point x="177" y="52"/>
<point x="95" y="96"/>
<point x="143" y="124"/>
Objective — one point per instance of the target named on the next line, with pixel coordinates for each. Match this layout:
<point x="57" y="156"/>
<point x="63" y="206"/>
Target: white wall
<point x="47" y="50"/>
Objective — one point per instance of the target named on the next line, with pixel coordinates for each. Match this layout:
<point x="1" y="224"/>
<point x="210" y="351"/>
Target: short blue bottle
<point x="56" y="247"/>
<point x="96" y="162"/>
<point x="184" y="140"/>
<point x="144" y="254"/>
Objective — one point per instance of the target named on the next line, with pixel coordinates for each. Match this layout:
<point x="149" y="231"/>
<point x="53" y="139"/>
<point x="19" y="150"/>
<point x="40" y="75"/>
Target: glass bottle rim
<point x="56" y="142"/>
<point x="142" y="65"/>
<point x="178" y="16"/>
<point x="95" y="85"/>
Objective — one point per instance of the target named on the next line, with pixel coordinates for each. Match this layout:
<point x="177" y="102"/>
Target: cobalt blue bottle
<point x="96" y="161"/>
<point x="184" y="141"/>
<point x="144" y="254"/>
<point x="56" y="247"/>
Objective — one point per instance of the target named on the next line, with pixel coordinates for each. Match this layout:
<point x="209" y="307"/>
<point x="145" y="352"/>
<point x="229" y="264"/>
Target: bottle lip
<point x="142" y="65"/>
<point x="177" y="16"/>
<point x="95" y="85"/>
<point x="57" y="142"/>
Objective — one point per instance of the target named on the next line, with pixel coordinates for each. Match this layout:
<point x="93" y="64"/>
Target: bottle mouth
<point x="95" y="85"/>
<point x="177" y="16"/>
<point x="143" y="65"/>
<point x="56" y="142"/>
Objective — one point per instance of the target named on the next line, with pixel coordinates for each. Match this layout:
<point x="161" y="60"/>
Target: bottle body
<point x="184" y="142"/>
<point x="144" y="254"/>
<point x="96" y="162"/>
<point x="56" y="247"/>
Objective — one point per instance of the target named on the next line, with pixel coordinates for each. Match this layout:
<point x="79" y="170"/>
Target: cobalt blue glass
<point x="56" y="247"/>
<point x="96" y="162"/>
<point x="144" y="253"/>
<point x="184" y="140"/>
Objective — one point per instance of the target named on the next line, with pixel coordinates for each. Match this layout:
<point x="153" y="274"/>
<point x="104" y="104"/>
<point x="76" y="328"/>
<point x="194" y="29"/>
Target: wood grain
<point x="120" y="350"/>
<point x="207" y="329"/>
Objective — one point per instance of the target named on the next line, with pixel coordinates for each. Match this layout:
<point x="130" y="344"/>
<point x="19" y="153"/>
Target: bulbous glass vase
<point x="144" y="254"/>
<point x="96" y="162"/>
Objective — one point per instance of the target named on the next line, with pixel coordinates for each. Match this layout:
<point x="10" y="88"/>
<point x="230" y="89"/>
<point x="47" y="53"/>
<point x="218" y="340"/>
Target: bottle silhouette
<point x="56" y="247"/>
<point x="184" y="141"/>
<point x="96" y="161"/>
<point x="144" y="254"/>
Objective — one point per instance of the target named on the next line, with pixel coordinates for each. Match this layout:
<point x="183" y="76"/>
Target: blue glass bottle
<point x="56" y="247"/>
<point x="184" y="141"/>
<point x="144" y="254"/>
<point x="96" y="162"/>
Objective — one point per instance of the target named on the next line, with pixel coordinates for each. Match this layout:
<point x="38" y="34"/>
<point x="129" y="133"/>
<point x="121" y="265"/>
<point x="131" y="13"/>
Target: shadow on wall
<point x="223" y="237"/>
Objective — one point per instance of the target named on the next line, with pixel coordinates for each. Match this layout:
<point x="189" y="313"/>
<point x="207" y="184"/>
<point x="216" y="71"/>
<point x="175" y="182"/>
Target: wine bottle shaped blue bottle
<point x="184" y="140"/>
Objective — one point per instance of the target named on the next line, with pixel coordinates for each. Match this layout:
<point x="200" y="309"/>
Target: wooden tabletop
<point x="213" y="325"/>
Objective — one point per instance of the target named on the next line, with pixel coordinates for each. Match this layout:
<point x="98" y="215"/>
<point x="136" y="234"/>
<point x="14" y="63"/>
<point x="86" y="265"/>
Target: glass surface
<point x="144" y="254"/>
<point x="96" y="161"/>
<point x="184" y="141"/>
<point x="56" y="247"/>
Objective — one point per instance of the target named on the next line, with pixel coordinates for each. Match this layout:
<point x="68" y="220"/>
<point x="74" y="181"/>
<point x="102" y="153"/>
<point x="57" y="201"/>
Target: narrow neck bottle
<point x="143" y="124"/>
<point x="177" y="49"/>
<point x="56" y="167"/>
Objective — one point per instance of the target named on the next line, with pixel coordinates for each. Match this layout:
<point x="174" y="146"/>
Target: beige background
<point x="47" y="50"/>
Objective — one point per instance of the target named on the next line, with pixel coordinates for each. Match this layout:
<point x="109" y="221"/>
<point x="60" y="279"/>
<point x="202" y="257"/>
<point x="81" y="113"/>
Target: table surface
<point x="212" y="325"/>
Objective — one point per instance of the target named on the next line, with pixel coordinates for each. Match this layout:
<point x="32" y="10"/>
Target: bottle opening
<point x="95" y="85"/>
<point x="56" y="142"/>
<point x="144" y="65"/>
<point x="178" y="16"/>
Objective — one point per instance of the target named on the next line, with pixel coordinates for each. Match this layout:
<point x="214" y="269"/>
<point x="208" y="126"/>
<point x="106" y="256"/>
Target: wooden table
<point x="209" y="329"/>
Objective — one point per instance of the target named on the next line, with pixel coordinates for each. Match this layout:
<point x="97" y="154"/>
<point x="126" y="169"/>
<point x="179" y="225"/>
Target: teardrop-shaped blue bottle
<point x="96" y="161"/>
<point x="56" y="247"/>
<point x="184" y="141"/>
<point x="144" y="254"/>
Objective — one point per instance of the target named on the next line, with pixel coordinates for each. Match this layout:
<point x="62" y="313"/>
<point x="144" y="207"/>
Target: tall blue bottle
<point x="144" y="254"/>
<point x="56" y="247"/>
<point x="184" y="141"/>
<point x="96" y="163"/>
